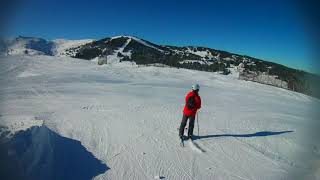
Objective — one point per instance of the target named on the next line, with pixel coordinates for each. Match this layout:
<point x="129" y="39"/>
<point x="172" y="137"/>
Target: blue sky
<point x="271" y="30"/>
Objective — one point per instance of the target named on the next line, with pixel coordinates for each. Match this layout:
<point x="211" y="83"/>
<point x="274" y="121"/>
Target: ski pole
<point x="198" y="123"/>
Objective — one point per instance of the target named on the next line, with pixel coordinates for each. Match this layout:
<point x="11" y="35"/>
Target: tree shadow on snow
<point x="39" y="153"/>
<point x="257" y="134"/>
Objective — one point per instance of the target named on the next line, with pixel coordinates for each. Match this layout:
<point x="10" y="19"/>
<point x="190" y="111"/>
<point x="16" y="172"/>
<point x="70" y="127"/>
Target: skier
<point x="193" y="103"/>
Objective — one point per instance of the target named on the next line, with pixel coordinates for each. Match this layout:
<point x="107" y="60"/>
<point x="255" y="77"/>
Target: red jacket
<point x="192" y="112"/>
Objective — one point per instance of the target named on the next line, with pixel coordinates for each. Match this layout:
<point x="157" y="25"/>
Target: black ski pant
<point x="184" y="123"/>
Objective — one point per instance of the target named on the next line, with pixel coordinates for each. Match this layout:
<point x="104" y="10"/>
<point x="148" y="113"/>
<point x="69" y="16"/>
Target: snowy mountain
<point x="129" y="48"/>
<point x="139" y="51"/>
<point x="65" y="118"/>
<point x="28" y="45"/>
<point x="125" y="48"/>
<point x="38" y="46"/>
<point x="142" y="52"/>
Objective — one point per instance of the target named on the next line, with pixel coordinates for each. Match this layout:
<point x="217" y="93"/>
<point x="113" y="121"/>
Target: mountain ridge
<point x="116" y="49"/>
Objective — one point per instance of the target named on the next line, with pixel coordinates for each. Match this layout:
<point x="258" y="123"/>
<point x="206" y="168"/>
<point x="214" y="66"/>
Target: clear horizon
<point x="272" y="31"/>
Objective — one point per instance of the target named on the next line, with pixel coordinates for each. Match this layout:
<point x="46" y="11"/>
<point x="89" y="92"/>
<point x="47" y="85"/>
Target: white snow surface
<point x="127" y="116"/>
<point x="16" y="123"/>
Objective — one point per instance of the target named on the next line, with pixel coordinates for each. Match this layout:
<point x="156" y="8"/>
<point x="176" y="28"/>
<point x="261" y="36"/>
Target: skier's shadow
<point x="257" y="134"/>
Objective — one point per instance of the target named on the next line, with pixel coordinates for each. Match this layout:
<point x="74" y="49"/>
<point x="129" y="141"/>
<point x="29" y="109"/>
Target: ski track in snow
<point x="127" y="117"/>
<point x="112" y="59"/>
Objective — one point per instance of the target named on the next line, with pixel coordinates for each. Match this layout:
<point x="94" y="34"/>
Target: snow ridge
<point x="140" y="41"/>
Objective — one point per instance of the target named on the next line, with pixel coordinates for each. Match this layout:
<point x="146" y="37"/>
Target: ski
<point x="184" y="138"/>
<point x="181" y="142"/>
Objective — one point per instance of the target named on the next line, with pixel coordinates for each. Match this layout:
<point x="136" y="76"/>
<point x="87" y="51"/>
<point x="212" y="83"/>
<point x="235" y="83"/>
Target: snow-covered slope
<point x="127" y="116"/>
<point x="113" y="58"/>
<point x="62" y="45"/>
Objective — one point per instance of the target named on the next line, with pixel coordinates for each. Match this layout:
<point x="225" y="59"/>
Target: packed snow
<point x="127" y="117"/>
<point x="27" y="74"/>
